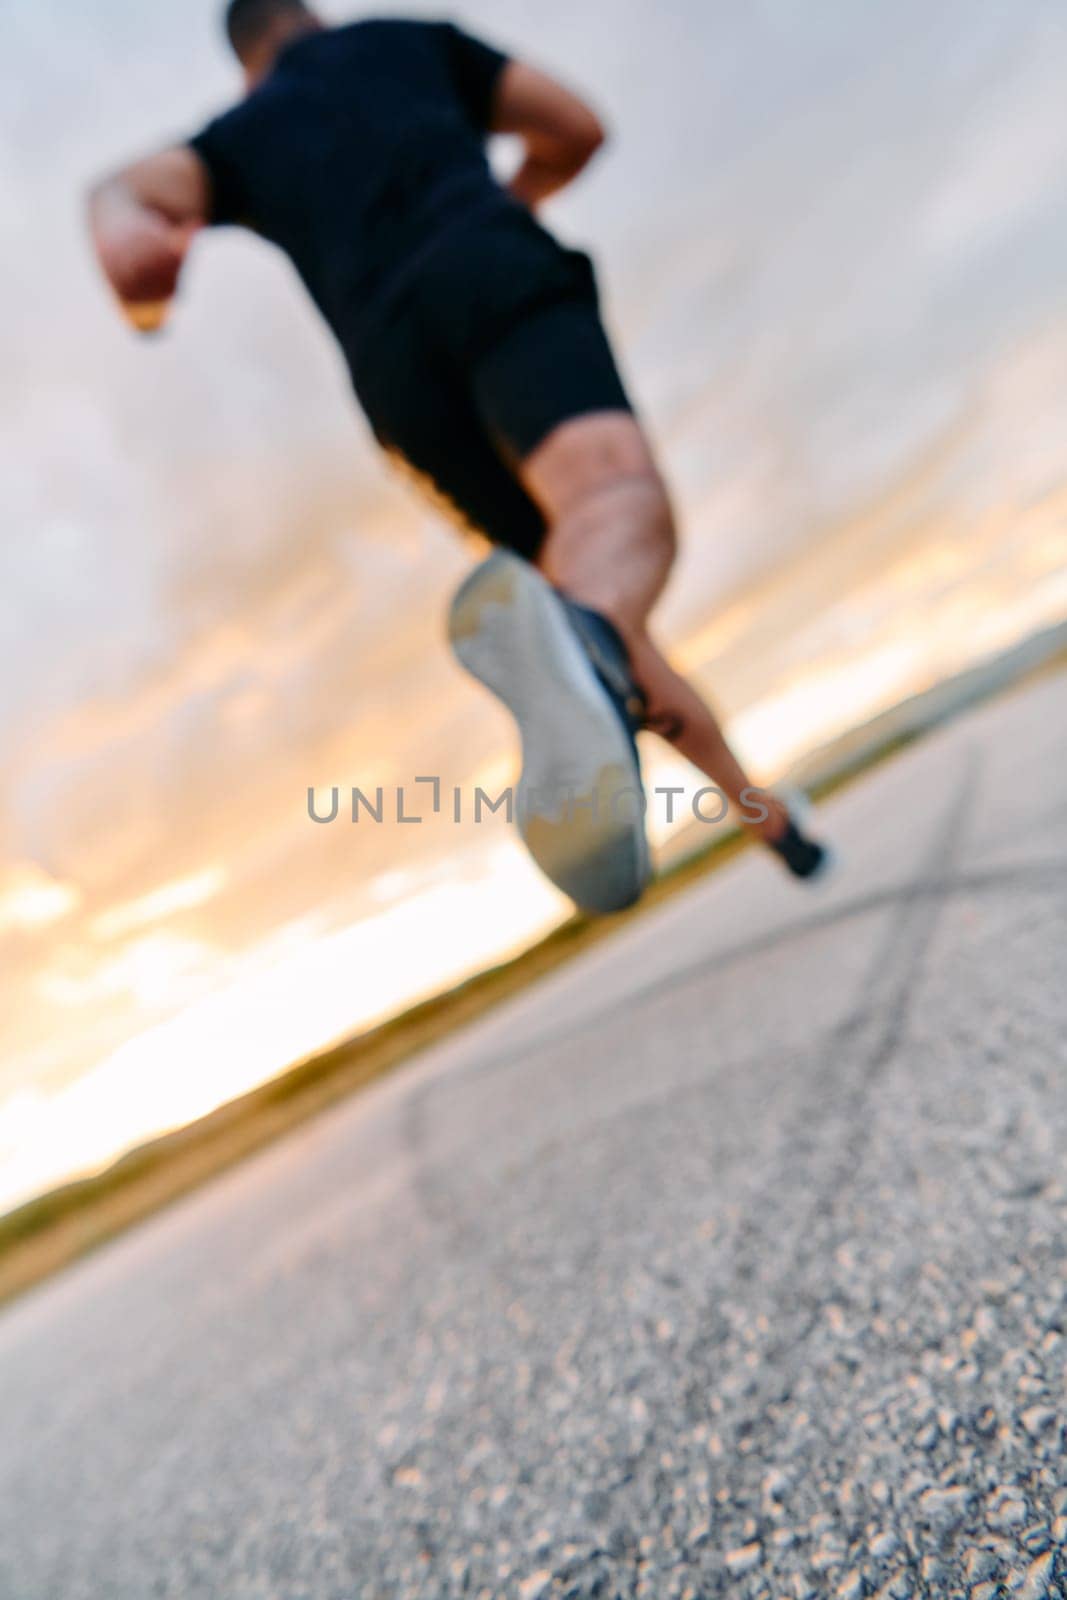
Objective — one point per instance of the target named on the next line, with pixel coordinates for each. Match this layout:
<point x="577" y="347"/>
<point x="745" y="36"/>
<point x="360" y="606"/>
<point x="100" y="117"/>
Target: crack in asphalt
<point x="1037" y="877"/>
<point x="883" y="1001"/>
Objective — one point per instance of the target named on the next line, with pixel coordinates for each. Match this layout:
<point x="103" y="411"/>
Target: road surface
<point x="727" y="1261"/>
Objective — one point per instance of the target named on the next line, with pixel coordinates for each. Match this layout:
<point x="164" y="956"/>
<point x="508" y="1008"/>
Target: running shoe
<point x="805" y="857"/>
<point x="562" y="672"/>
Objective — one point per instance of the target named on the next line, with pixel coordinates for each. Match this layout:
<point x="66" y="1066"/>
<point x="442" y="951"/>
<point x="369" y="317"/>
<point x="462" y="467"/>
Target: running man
<point x="477" y="351"/>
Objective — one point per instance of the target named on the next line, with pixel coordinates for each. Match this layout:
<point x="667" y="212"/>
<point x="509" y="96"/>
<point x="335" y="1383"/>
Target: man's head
<point x="259" y="29"/>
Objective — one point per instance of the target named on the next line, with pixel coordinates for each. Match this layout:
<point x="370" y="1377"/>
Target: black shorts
<point x="495" y="342"/>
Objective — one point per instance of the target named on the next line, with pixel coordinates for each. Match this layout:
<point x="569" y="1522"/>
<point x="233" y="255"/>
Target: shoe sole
<point x="579" y="802"/>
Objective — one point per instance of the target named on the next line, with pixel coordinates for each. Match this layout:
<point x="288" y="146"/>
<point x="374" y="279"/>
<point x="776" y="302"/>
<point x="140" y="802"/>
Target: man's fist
<point x="142" y="255"/>
<point x="140" y="244"/>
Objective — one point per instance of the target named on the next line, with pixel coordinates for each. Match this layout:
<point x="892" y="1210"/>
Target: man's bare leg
<point x="610" y="545"/>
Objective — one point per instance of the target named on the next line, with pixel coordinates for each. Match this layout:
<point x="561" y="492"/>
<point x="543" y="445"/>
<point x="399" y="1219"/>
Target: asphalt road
<point x="728" y="1261"/>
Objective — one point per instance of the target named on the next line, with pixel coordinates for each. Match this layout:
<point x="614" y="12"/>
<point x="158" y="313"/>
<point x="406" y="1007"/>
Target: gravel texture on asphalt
<point x="729" y="1260"/>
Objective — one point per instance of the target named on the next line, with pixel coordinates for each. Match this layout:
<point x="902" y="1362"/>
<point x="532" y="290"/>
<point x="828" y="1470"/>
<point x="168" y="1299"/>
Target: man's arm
<point x="561" y="133"/>
<point x="143" y="221"/>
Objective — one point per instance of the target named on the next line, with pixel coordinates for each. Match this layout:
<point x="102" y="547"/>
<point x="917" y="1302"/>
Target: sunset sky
<point x="834" y="247"/>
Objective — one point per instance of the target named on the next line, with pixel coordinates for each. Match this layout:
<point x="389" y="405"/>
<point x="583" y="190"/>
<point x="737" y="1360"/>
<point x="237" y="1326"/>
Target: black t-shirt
<point x="356" y="152"/>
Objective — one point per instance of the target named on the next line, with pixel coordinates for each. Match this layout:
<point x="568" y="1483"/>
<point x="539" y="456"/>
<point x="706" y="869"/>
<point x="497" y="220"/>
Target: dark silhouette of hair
<point x="247" y="20"/>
